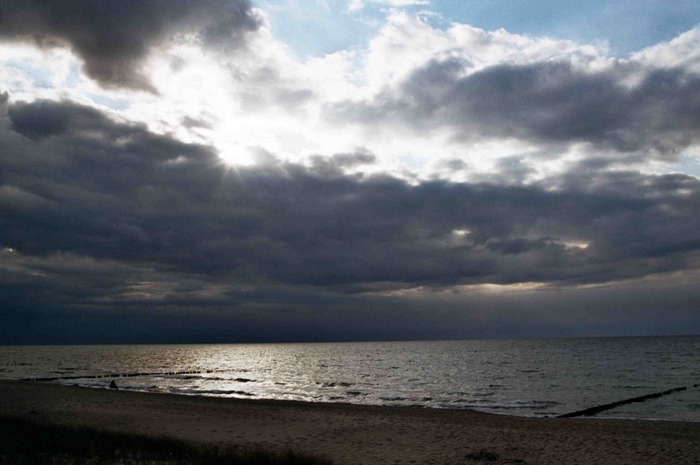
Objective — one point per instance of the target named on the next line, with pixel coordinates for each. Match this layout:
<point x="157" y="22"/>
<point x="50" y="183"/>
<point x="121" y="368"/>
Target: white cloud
<point x="263" y="96"/>
<point x="408" y="42"/>
<point x="681" y="52"/>
<point x="400" y="3"/>
<point x="355" y="5"/>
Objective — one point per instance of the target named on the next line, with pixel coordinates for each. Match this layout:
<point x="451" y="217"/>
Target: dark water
<point x="517" y="377"/>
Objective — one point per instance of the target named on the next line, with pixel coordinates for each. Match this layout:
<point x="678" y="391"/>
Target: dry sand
<point x="353" y="434"/>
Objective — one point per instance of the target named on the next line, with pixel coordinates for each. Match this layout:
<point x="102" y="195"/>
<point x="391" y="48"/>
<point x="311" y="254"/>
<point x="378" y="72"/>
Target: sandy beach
<point x="352" y="434"/>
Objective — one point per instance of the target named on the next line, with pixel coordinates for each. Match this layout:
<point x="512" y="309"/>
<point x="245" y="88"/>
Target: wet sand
<point x="354" y="434"/>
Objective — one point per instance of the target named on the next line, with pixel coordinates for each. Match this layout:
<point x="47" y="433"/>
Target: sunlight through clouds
<point x="288" y="154"/>
<point x="263" y="96"/>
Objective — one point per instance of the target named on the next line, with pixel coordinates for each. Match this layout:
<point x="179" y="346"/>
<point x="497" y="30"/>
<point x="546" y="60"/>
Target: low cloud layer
<point x="114" y="38"/>
<point x="116" y="191"/>
<point x="146" y="214"/>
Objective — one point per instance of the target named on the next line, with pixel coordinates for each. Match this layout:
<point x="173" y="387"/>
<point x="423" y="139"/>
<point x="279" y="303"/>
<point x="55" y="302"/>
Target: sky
<point x="183" y="171"/>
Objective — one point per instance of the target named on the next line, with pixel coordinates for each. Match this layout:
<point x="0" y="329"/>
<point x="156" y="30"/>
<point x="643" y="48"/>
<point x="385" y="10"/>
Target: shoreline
<point x="356" y="434"/>
<point x="583" y="413"/>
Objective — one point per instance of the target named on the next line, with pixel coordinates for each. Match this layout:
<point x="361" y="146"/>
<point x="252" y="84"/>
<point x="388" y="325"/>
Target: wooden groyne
<point x="601" y="408"/>
<point x="121" y="375"/>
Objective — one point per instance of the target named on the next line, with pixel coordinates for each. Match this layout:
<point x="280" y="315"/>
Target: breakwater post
<point x="600" y="408"/>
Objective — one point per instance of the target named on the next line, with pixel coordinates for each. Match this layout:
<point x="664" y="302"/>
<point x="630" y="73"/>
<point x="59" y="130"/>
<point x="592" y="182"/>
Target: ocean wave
<point x="116" y="375"/>
<point x="333" y="384"/>
<point x="392" y="399"/>
<point x="356" y="393"/>
<point x="222" y="392"/>
<point x="503" y="405"/>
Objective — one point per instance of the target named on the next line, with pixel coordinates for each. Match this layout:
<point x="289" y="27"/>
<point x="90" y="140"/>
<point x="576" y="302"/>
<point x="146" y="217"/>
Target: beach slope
<point x="353" y="434"/>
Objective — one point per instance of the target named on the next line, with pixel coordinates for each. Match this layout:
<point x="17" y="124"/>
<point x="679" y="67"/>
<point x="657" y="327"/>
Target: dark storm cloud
<point x="45" y="119"/>
<point x="114" y="37"/>
<point x="74" y="181"/>
<point x="547" y="102"/>
<point x="102" y="218"/>
<point x="336" y="164"/>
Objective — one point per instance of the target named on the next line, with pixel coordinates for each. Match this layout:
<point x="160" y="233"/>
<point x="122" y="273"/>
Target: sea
<point x="530" y="377"/>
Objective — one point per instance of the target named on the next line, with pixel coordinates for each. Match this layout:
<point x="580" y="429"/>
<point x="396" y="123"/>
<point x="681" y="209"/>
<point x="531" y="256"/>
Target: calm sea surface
<point x="517" y="377"/>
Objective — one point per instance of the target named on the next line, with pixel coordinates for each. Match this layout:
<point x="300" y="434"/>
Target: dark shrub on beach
<point x="27" y="443"/>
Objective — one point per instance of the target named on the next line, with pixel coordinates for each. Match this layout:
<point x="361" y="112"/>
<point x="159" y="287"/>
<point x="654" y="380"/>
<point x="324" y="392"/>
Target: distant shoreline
<point x="358" y="341"/>
<point x="356" y="434"/>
